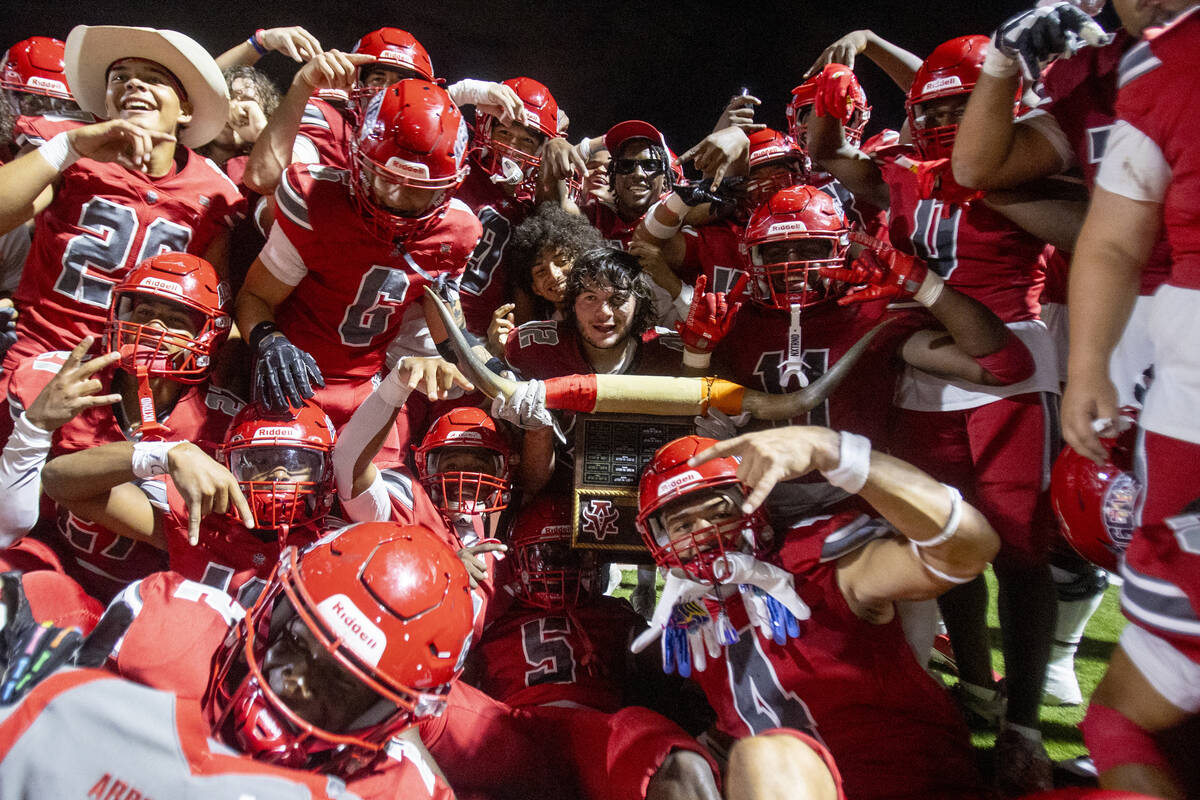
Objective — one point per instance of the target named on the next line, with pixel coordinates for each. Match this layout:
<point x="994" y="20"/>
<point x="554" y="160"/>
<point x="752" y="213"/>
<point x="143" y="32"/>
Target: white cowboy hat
<point x="91" y="49"/>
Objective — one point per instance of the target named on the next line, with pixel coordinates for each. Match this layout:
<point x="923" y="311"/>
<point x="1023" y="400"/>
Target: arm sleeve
<point x="20" y="479"/>
<point x="282" y="259"/>
<point x="1133" y="165"/>
<point x="370" y="417"/>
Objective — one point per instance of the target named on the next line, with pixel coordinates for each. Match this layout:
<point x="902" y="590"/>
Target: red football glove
<point x="880" y="271"/>
<point x="936" y="181"/>
<point x="836" y="87"/>
<point x="710" y="316"/>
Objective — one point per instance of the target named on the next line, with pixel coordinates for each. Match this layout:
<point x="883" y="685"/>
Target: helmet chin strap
<point x="792" y="365"/>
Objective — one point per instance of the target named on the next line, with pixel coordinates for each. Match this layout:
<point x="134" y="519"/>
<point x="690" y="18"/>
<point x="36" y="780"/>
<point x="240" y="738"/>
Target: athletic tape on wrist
<point x="584" y="148"/>
<point x="931" y="289"/>
<point x="999" y="64"/>
<point x="696" y="360"/>
<point x="951" y="526"/>
<point x="58" y="152"/>
<point x="658" y="230"/>
<point x="854" y="463"/>
<point x="150" y="458"/>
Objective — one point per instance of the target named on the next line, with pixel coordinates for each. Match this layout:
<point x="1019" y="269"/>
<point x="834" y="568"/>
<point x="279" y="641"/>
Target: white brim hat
<point x="91" y="49"/>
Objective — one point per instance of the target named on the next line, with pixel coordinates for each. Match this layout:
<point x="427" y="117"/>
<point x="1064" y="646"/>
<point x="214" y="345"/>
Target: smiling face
<point x="146" y="93"/>
<point x="603" y="316"/>
<point x="550" y="275"/>
<point x="638" y="178"/>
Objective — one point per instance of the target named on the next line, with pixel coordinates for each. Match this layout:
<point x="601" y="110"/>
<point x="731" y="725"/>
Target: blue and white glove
<point x="1032" y="39"/>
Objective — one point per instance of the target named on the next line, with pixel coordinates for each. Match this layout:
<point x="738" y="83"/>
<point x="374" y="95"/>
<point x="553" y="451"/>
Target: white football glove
<point x="526" y="408"/>
<point x="1037" y="37"/>
<point x="716" y="424"/>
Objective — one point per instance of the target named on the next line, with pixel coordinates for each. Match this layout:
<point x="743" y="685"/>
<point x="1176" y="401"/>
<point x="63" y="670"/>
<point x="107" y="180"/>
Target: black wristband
<point x="446" y="351"/>
<point x="260" y="332"/>
<point x="496" y="365"/>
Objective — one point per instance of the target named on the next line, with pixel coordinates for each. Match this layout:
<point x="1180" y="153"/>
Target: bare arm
<point x="1114" y="244"/>
<point x="260" y="295"/>
<point x="294" y="42"/>
<point x="899" y="64"/>
<point x="991" y="150"/>
<point x="853" y="168"/>
<point x="1051" y="210"/>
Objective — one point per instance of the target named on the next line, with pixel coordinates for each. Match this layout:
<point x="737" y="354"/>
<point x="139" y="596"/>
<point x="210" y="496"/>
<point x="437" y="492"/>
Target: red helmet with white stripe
<point x="503" y="160"/>
<point x="951" y="70"/>
<point x="35" y="66"/>
<point x="396" y="49"/>
<point x="464" y="463"/>
<point x="801" y="106"/>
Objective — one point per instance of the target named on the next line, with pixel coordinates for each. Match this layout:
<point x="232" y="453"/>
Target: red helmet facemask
<point x="671" y="491"/>
<point x="412" y="137"/>
<point x="377" y="616"/>
<point x="551" y="575"/>
<point x="810" y="219"/>
<point x="505" y="163"/>
<point x="951" y="70"/>
<point x="168" y="316"/>
<point x="776" y="162"/>
<point x="283" y="464"/>
<point x="801" y="105"/>
<point x="458" y="492"/>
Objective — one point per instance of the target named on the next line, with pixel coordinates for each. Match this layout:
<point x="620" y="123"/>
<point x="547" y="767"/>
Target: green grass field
<point x="1062" y="737"/>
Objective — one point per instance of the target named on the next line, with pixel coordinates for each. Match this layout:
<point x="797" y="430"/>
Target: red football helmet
<point x="951" y="70"/>
<point x="550" y="572"/>
<point x="712" y="491"/>
<point x="470" y="491"/>
<point x="282" y="463"/>
<point x="812" y="220"/>
<point x="412" y="139"/>
<point x="168" y="315"/>
<point x="397" y="49"/>
<point x="35" y="66"/>
<point x="508" y="164"/>
<point x="354" y="639"/>
<point x="776" y="162"/>
<point x="1096" y="505"/>
<point x="803" y="98"/>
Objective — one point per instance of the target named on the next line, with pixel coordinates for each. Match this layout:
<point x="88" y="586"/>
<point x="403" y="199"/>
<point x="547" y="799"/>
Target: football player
<point x="965" y="434"/>
<point x="1145" y="181"/>
<point x="796" y="627"/>
<point x="109" y="195"/>
<point x="342" y="272"/>
<point x="167" y="320"/>
<point x="501" y="189"/>
<point x="314" y="688"/>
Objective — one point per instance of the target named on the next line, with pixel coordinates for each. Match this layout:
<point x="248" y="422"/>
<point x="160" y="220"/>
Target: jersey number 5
<point x="548" y="651"/>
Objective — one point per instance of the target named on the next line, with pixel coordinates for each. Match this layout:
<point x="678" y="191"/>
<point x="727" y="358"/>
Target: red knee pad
<point x="1113" y="739"/>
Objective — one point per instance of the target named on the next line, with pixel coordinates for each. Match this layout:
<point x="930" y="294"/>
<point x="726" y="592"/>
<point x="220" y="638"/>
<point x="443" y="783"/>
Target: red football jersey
<point x="978" y="251"/>
<point x="712" y="250"/>
<point x="101" y="561"/>
<point x="550" y="348"/>
<point x="177" y="627"/>
<point x="1081" y="95"/>
<point x="329" y="131"/>
<point x="105" y="220"/>
<point x="854" y="685"/>
<point x="753" y="354"/>
<point x="861" y="215"/>
<point x="36" y="131"/>
<point x="484" y="284"/>
<point x="1159" y="68"/>
<point x="349" y="304"/>
<point x="617" y="232"/>
<point x="534" y="657"/>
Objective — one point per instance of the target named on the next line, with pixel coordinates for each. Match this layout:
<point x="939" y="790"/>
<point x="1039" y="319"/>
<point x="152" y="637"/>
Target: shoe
<point x="1079" y="771"/>
<point x="1022" y="765"/>
<point x="1062" y="686"/>
<point x="983" y="708"/>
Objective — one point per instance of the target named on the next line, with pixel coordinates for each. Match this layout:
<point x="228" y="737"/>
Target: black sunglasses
<point x="649" y="166"/>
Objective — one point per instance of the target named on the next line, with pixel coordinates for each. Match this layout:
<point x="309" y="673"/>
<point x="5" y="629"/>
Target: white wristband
<point x="150" y="458"/>
<point x="584" y="148"/>
<point x="999" y="64"/>
<point x="58" y="152"/>
<point x="391" y="390"/>
<point x="854" y="463"/>
<point x="696" y="360"/>
<point x="468" y="92"/>
<point x="934" y="571"/>
<point x="951" y="526"/>
<point x="931" y="289"/>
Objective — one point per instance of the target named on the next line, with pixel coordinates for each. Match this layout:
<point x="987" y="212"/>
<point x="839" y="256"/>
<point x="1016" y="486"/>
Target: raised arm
<point x="899" y="64"/>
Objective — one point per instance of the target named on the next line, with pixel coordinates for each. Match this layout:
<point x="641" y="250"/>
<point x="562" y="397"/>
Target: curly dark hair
<point x="548" y="228"/>
<point x="610" y="268"/>
<point x="265" y="88"/>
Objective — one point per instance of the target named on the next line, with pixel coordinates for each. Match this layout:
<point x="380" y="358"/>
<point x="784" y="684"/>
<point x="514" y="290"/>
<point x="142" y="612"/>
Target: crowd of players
<point x="362" y="582"/>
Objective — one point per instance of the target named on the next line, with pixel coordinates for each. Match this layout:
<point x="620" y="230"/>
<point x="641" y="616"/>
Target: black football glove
<point x="8" y="328"/>
<point x="30" y="651"/>
<point x="1036" y="37"/>
<point x="283" y="373"/>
